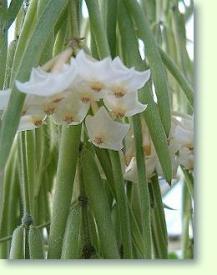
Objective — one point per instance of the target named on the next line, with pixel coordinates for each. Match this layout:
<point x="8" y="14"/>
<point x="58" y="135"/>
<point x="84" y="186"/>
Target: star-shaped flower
<point x="71" y="110"/>
<point x="127" y="105"/>
<point x="104" y="132"/>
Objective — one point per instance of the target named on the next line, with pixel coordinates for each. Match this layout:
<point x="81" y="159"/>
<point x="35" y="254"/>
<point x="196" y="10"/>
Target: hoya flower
<point x="92" y="76"/>
<point x="128" y="105"/>
<point x="30" y="122"/>
<point x="181" y="141"/>
<point x="123" y="80"/>
<point x="33" y="118"/>
<point x="181" y="132"/>
<point x="71" y="110"/>
<point x="104" y="132"/>
<point x="47" y="84"/>
<point x="44" y="104"/>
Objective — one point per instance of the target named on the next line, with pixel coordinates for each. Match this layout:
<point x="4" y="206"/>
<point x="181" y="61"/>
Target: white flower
<point x="33" y="118"/>
<point x="104" y="132"/>
<point x="131" y="173"/>
<point x="181" y="132"/>
<point x="123" y="80"/>
<point x="181" y="140"/>
<point x="30" y="122"/>
<point x="4" y="99"/>
<point x="71" y="110"/>
<point x="93" y="75"/>
<point x="46" y="84"/>
<point x="127" y="105"/>
<point x="43" y="104"/>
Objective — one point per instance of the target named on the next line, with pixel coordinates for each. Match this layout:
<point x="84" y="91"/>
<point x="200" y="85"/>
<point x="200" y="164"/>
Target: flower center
<point x="85" y="99"/>
<point x="119" y="91"/>
<point x="119" y="113"/>
<point x="68" y="118"/>
<point x="37" y="122"/>
<point x="49" y="108"/>
<point x="96" y="86"/>
<point x="147" y="150"/>
<point x="98" y="140"/>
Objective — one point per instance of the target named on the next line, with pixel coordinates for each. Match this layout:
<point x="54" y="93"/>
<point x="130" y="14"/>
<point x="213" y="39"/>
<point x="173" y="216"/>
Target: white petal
<point x="186" y="158"/>
<point x="183" y="136"/>
<point x="104" y="132"/>
<point x="28" y="122"/>
<point x="138" y="80"/>
<point x="120" y="68"/>
<point x="92" y="69"/>
<point x="48" y="84"/>
<point x="71" y="111"/>
<point x="130" y="78"/>
<point x="4" y="99"/>
<point x="127" y="105"/>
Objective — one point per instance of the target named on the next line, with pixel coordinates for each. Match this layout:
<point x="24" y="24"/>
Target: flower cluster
<point x="67" y="92"/>
<point x="181" y="148"/>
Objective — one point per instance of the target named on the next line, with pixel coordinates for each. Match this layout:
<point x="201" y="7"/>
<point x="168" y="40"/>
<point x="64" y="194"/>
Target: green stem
<point x="85" y="230"/>
<point x="142" y="186"/>
<point x="111" y="17"/>
<point x="189" y="180"/>
<point x="3" y="42"/>
<point x="23" y="173"/>
<point x="122" y="205"/>
<point x="26" y="30"/>
<point x="159" y="229"/>
<point x="96" y="23"/>
<point x="69" y="151"/>
<point x="187" y="242"/>
<point x="178" y="75"/>
<point x="31" y="166"/>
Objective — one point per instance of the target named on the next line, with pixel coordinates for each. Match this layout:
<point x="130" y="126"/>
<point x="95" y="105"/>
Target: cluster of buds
<point x="69" y="91"/>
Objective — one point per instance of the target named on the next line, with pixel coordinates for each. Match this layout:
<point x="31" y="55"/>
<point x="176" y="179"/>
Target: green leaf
<point x="17" y="244"/>
<point x="154" y="58"/>
<point x="178" y="75"/>
<point x="99" y="205"/>
<point x="68" y="158"/>
<point x="35" y="243"/>
<point x="12" y="12"/>
<point x="71" y="248"/>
